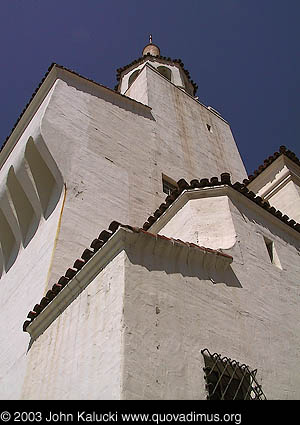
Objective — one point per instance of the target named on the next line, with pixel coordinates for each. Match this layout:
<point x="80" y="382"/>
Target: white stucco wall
<point x="185" y="144"/>
<point x="287" y="200"/>
<point x="143" y="320"/>
<point x="139" y="88"/>
<point x="205" y="221"/>
<point x="118" y="149"/>
<point x="107" y="154"/>
<point x="250" y="313"/>
<point x="26" y="280"/>
<point x="80" y="355"/>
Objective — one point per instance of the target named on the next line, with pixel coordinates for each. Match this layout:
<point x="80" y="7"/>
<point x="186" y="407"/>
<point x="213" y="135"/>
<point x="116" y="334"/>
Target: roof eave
<point x="28" y="112"/>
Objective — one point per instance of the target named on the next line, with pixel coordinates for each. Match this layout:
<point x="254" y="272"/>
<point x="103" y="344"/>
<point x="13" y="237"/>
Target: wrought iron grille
<point x="227" y="379"/>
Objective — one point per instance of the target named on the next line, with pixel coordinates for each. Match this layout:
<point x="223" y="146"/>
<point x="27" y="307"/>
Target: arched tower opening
<point x="133" y="77"/>
<point x="166" y="72"/>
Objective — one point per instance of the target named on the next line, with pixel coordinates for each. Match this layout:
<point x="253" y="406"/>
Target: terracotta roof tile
<point x="70" y="273"/>
<point x="97" y="244"/>
<point x="79" y="263"/>
<point x="56" y="288"/>
<point x="63" y="280"/>
<point x="87" y="254"/>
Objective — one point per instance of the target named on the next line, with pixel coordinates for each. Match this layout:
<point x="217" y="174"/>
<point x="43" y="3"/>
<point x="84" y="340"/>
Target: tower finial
<point x="151" y="49"/>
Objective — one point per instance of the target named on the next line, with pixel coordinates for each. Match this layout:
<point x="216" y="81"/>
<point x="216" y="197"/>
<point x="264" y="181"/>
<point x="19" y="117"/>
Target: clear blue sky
<point x="243" y="54"/>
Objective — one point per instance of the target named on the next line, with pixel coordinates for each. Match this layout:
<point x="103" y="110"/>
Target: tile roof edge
<point x="268" y="161"/>
<point x="26" y="109"/>
<point x="97" y="244"/>
<point x="215" y="182"/>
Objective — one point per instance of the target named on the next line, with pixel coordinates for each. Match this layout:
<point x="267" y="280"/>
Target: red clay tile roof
<point x="163" y="58"/>
<point x="282" y="151"/>
<point x="214" y="181"/>
<point x="88" y="254"/>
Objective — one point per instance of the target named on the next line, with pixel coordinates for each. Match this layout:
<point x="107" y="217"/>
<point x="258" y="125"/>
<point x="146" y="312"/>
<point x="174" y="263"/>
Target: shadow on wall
<point x="27" y="219"/>
<point x="9" y="244"/>
<point x="32" y="191"/>
<point x="47" y="178"/>
<point x="185" y="263"/>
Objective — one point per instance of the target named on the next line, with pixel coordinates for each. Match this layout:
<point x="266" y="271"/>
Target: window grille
<point x="227" y="379"/>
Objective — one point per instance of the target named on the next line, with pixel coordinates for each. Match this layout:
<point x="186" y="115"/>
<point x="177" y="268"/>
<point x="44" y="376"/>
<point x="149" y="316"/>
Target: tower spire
<point x="150" y="39"/>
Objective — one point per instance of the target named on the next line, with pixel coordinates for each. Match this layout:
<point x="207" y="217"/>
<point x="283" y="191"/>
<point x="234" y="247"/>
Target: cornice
<point x="104" y="249"/>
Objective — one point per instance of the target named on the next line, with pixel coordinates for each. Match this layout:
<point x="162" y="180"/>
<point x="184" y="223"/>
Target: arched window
<point x="166" y="72"/>
<point x="133" y="77"/>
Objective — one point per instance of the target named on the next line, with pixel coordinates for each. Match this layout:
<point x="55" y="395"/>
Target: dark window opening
<point x="272" y="252"/>
<point x="269" y="246"/>
<point x="168" y="185"/>
<point x="132" y="77"/>
<point x="209" y="128"/>
<point x="227" y="379"/>
<point x="270" y="249"/>
<point x="166" y="72"/>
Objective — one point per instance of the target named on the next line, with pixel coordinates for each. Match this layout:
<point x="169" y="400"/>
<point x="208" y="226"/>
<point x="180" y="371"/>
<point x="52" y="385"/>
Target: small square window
<point x="168" y="185"/>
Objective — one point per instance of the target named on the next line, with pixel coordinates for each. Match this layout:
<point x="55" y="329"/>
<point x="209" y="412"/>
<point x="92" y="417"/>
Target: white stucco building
<point x="193" y="296"/>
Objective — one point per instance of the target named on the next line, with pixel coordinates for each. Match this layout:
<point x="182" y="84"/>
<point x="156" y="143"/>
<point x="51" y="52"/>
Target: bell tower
<point x="197" y="135"/>
<point x="81" y="156"/>
<point x="171" y="69"/>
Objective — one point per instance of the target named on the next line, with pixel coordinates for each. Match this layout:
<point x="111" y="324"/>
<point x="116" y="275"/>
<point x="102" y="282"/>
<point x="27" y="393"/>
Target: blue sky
<point x="243" y="54"/>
